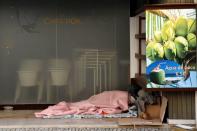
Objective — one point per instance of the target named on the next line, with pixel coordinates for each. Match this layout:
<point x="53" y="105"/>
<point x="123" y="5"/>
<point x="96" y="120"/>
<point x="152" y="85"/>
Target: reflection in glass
<point x="96" y="70"/>
<point x="58" y="75"/>
<point x="29" y="76"/>
<point x="46" y="57"/>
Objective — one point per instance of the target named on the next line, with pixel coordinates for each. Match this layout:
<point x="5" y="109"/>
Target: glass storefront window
<point x="52" y="51"/>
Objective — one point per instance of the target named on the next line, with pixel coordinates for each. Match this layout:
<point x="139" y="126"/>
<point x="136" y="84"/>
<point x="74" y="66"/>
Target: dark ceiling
<point x="136" y="6"/>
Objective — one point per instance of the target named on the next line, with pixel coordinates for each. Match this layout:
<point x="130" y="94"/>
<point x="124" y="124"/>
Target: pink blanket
<point x="108" y="102"/>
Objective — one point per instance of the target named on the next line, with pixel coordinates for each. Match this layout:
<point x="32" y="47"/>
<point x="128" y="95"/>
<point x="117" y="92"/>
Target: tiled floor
<point x="25" y="118"/>
<point x="17" y="114"/>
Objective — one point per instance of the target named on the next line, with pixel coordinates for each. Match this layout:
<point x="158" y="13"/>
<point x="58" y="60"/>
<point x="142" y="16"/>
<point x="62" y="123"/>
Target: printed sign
<point x="171" y="48"/>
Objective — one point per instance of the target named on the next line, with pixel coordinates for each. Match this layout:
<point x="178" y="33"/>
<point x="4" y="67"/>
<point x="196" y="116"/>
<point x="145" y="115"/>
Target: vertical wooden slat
<point x="179" y="103"/>
<point x="171" y="105"/>
<point x="188" y="105"/>
<point x="193" y="104"/>
<point x="184" y="115"/>
<point x="169" y="96"/>
<point x="175" y="105"/>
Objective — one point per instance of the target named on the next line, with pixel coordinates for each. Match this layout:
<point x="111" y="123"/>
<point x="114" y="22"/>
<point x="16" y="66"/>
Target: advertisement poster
<point x="171" y="48"/>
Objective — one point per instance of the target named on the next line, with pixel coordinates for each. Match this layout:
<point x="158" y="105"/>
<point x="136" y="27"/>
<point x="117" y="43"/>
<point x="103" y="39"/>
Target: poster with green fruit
<point x="171" y="48"/>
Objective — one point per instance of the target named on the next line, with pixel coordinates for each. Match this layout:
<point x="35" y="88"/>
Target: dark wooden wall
<point x="137" y="5"/>
<point x="181" y="105"/>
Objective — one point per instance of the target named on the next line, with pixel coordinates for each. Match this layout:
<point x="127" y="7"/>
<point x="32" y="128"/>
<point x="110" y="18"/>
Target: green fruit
<point x="154" y="51"/>
<point x="157" y="76"/>
<point x="181" y="46"/>
<point x="181" y="27"/>
<point x="191" y="38"/>
<point x="170" y="50"/>
<point x="157" y="36"/>
<point x="167" y="32"/>
<point x="191" y="25"/>
<point x="149" y="48"/>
